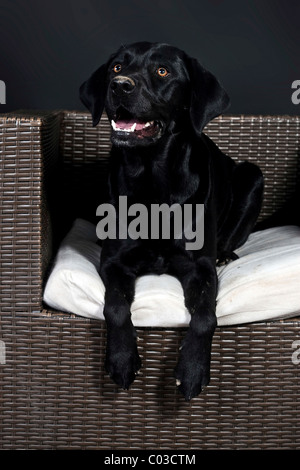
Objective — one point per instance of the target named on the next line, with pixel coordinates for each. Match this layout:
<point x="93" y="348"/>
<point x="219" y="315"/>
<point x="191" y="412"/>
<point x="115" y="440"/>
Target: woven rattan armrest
<point x="29" y="146"/>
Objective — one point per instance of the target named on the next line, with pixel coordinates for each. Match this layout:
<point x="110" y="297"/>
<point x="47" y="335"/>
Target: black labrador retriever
<point x="158" y="101"/>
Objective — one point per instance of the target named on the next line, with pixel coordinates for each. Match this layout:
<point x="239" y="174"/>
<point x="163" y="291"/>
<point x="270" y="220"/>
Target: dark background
<point x="48" y="48"/>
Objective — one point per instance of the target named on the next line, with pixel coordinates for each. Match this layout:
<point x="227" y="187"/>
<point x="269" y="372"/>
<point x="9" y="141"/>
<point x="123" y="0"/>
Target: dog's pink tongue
<point x="128" y="124"/>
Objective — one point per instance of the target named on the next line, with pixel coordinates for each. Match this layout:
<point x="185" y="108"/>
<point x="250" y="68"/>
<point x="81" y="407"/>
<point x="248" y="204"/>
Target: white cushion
<point x="263" y="284"/>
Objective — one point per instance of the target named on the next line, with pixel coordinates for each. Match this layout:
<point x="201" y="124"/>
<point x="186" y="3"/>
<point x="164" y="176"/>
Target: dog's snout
<point x="122" y="85"/>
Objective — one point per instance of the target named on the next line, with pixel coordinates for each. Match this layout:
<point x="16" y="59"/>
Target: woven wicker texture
<point x="55" y="393"/>
<point x="29" y="155"/>
<point x="272" y="142"/>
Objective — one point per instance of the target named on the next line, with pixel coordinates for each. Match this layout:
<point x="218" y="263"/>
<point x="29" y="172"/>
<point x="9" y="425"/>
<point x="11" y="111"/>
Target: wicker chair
<point x="55" y="393"/>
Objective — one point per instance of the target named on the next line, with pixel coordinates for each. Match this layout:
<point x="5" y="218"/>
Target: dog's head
<point x="149" y="90"/>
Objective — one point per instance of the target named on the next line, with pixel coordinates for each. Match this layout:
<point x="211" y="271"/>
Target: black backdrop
<point x="47" y="48"/>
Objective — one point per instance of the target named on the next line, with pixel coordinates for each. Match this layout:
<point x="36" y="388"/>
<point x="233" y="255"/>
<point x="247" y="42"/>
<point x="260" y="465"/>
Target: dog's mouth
<point x="125" y="126"/>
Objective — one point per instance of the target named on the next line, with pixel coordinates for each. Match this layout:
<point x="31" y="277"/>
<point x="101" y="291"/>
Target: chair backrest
<point x="270" y="141"/>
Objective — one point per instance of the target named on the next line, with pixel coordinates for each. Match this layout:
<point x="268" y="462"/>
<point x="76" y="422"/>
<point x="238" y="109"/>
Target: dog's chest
<point x="157" y="183"/>
<point x="146" y="184"/>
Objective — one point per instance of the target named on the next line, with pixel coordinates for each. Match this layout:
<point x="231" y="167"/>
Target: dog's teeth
<point x="149" y="123"/>
<point x="115" y="128"/>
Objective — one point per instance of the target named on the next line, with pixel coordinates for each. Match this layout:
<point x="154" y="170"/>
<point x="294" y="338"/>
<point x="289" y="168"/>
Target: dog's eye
<point x="162" y="72"/>
<point x="117" y="68"/>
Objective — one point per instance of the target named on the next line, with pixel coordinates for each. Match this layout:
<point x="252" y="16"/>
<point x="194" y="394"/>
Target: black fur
<point x="174" y="163"/>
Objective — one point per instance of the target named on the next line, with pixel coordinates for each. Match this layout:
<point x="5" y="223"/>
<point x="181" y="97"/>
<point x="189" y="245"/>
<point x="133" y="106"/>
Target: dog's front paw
<point x="192" y="372"/>
<point x="122" y="359"/>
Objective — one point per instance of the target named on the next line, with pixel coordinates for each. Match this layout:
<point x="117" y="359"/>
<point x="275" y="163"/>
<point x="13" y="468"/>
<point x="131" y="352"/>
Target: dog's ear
<point x="208" y="97"/>
<point x="92" y="93"/>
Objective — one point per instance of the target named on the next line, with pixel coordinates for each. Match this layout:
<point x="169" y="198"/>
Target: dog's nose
<point x="122" y="85"/>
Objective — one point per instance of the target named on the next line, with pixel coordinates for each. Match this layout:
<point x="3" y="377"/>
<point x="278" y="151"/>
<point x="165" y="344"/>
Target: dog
<point x="158" y="100"/>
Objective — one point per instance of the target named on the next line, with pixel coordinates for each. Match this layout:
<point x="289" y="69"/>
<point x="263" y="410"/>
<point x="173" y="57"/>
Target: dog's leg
<point x="199" y="282"/>
<point x="122" y="359"/>
<point x="247" y="191"/>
